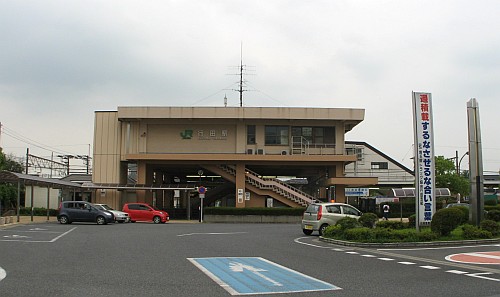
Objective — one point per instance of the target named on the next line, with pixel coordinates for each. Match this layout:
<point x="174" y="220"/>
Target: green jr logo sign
<point x="187" y="134"/>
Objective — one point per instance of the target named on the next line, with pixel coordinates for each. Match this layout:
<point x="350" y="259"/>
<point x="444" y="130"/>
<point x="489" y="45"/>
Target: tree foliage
<point x="446" y="177"/>
<point x="8" y="192"/>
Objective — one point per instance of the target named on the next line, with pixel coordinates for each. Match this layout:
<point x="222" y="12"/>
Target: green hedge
<point x="37" y="211"/>
<point x="264" y="211"/>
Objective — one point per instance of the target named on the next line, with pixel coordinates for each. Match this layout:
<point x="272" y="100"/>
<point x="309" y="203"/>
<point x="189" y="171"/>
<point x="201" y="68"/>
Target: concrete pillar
<point x="240" y="185"/>
<point x="141" y="179"/>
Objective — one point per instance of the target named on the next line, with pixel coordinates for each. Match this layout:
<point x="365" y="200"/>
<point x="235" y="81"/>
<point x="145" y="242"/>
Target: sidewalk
<point x="12" y="220"/>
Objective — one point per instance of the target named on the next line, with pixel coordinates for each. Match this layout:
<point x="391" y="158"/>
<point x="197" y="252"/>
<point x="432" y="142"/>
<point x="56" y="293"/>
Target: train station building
<point x="243" y="156"/>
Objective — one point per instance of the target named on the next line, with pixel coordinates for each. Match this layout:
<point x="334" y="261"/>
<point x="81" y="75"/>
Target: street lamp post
<point x="460" y="162"/>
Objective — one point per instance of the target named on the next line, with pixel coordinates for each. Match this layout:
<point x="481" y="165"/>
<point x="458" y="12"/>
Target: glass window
<point x="350" y="211"/>
<point x="316" y="135"/>
<point x="250" y="134"/>
<point x="380" y="165"/>
<point x="276" y="135"/>
<point x="333" y="209"/>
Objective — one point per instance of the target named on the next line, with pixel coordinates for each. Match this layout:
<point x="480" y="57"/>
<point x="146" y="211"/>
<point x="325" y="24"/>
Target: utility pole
<point x="241" y="75"/>
<point x="242" y="68"/>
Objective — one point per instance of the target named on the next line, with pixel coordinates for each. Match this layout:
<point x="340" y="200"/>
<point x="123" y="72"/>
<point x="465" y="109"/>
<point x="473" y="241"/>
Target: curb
<point x="407" y="244"/>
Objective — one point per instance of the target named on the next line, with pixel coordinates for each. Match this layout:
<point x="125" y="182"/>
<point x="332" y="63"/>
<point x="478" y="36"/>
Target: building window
<point x="250" y="134"/>
<point x="380" y="165"/>
<point x="277" y="135"/>
<point x="324" y="136"/>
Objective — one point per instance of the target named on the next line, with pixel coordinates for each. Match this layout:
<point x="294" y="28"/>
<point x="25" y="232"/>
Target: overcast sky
<point x="62" y="60"/>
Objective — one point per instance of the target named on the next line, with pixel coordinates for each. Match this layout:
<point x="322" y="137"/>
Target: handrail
<point x="274" y="185"/>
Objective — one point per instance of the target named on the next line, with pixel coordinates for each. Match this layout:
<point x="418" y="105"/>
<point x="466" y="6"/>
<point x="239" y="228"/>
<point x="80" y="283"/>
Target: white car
<point x="120" y="216"/>
<point x="318" y="216"/>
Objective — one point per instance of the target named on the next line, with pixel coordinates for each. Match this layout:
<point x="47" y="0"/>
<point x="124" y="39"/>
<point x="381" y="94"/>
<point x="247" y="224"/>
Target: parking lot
<point x="193" y="259"/>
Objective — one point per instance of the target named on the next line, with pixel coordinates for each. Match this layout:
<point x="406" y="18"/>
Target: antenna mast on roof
<point x="242" y="68"/>
<point x="241" y="75"/>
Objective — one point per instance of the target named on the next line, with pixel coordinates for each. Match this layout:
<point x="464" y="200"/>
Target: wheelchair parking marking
<point x="255" y="275"/>
<point x="24" y="238"/>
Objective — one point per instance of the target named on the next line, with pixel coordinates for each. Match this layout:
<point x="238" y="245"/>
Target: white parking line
<point x="386" y="259"/>
<point x="429" y="267"/>
<point x="457" y="271"/>
<point x="53" y="240"/>
<point x="212" y="233"/>
<point x="407" y="263"/>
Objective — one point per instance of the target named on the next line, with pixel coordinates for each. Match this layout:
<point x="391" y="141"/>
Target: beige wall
<point x="205" y="138"/>
<point x="106" y="165"/>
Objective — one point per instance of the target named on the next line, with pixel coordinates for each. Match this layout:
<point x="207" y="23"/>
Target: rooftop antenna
<point x="242" y="68"/>
<point x="241" y="75"/>
<point x="225" y="100"/>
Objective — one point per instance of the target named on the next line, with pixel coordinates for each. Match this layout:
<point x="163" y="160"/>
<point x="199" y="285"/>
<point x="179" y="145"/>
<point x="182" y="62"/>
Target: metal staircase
<point x="272" y="184"/>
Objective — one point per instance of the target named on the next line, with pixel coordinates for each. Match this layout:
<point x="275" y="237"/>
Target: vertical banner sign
<point x="424" y="158"/>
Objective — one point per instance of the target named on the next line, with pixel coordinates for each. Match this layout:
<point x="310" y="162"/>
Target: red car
<point x="145" y="212"/>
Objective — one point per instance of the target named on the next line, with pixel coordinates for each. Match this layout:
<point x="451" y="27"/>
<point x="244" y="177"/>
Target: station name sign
<point x="208" y="134"/>
<point x="364" y="192"/>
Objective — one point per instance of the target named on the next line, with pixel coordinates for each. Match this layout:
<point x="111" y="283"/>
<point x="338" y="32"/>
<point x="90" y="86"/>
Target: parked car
<point x="81" y="211"/>
<point x="457" y="204"/>
<point x="318" y="216"/>
<point x="120" y="216"/>
<point x="145" y="212"/>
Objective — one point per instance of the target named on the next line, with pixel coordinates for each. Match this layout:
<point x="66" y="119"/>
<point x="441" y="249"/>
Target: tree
<point x="8" y="192"/>
<point x="446" y="177"/>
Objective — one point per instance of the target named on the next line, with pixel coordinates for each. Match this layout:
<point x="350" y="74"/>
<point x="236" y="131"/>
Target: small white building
<point x="372" y="162"/>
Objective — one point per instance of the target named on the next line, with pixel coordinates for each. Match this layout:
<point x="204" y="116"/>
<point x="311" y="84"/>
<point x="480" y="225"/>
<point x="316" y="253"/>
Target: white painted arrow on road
<point x="240" y="267"/>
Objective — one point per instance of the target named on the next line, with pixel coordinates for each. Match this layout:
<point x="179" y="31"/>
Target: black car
<point x="81" y="211"/>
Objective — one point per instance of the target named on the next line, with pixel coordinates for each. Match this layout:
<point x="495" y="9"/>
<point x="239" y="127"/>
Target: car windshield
<point x="155" y="208"/>
<point x="106" y="207"/>
<point x="100" y="207"/>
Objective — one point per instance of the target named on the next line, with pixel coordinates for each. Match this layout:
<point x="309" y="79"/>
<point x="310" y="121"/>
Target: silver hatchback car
<point x="318" y="216"/>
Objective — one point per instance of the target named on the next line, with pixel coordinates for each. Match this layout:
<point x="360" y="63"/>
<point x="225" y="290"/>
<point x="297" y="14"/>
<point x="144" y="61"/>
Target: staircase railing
<point x="273" y="184"/>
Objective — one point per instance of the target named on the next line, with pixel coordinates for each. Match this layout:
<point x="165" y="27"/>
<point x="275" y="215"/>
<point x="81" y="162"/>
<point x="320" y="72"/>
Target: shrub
<point x="348" y="223"/>
<point x="427" y="235"/>
<point x="270" y="211"/>
<point x="473" y="232"/>
<point x="491" y="226"/>
<point x="359" y="234"/>
<point x="334" y="232"/>
<point x="491" y="207"/>
<point x="446" y="219"/>
<point x="395" y="225"/>
<point x="465" y="213"/>
<point x="368" y="219"/>
<point x="382" y="234"/>
<point x="493" y="215"/>
<point x="37" y="211"/>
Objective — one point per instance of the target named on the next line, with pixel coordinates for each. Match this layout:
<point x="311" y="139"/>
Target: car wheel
<point x="307" y="232"/>
<point x="156" y="220"/>
<point x="64" y="220"/>
<point x="121" y="221"/>
<point x="132" y="221"/>
<point x="100" y="220"/>
<point x="322" y="229"/>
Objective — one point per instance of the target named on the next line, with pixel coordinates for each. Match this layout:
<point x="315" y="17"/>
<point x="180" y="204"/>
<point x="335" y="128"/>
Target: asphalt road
<point x="145" y="259"/>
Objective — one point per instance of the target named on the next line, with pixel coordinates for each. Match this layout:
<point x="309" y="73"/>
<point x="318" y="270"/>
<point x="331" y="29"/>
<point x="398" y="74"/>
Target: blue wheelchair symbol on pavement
<point x="254" y="275"/>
